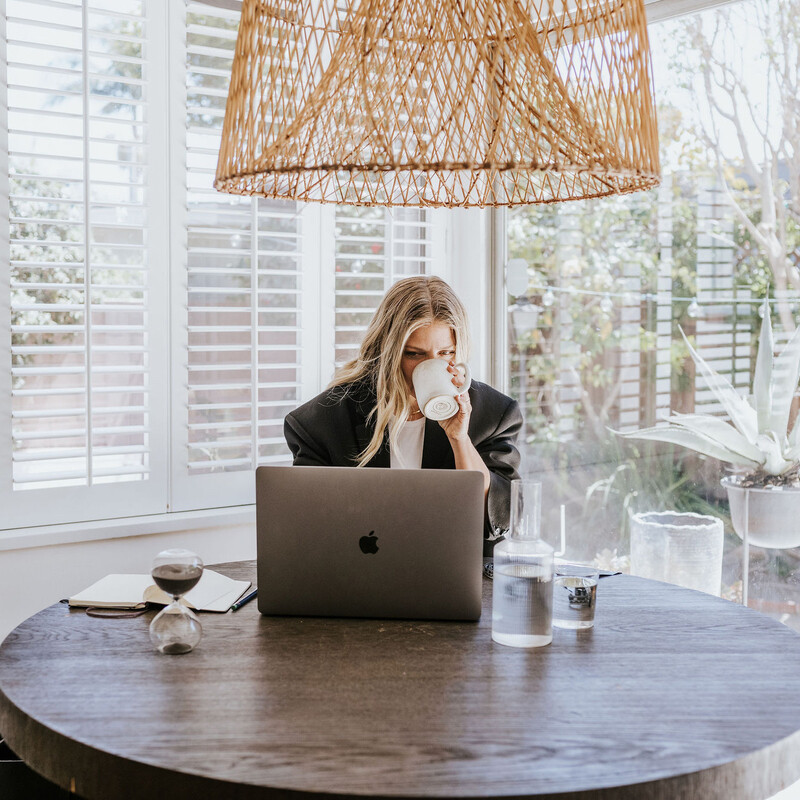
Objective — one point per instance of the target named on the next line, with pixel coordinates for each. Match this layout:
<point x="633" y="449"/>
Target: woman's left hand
<point x="457" y="427"/>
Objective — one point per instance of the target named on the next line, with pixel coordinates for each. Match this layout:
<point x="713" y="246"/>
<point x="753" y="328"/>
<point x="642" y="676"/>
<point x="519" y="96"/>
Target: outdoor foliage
<point x="758" y="437"/>
<point x="721" y="234"/>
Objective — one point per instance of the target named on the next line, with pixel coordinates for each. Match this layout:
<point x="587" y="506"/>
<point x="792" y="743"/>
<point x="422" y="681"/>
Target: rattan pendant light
<point x="439" y="102"/>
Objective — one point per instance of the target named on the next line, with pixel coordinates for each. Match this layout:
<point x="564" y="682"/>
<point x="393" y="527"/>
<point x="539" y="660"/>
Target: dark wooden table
<point x="674" y="694"/>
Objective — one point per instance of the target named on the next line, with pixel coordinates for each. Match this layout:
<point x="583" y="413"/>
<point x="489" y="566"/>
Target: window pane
<point x="597" y="324"/>
<point x="77" y="246"/>
<point x="374" y="247"/>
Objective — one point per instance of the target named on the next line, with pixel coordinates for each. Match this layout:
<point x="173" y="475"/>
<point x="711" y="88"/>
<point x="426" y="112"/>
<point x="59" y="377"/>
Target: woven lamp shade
<point x="440" y="102"/>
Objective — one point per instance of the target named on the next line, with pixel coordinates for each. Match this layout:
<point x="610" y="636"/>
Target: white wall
<point x="33" y="578"/>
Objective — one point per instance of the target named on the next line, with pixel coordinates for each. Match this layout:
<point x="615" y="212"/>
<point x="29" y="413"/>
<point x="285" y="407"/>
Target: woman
<point x="369" y="416"/>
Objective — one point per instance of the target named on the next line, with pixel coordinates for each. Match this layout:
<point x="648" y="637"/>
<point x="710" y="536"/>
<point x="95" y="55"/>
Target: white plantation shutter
<point x="243" y="331"/>
<point x="261" y="306"/>
<point x="159" y="331"/>
<point x="79" y="206"/>
<point x="242" y="327"/>
<point x="375" y="247"/>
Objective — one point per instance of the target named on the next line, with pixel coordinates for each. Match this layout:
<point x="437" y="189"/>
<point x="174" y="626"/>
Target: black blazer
<point x="332" y="429"/>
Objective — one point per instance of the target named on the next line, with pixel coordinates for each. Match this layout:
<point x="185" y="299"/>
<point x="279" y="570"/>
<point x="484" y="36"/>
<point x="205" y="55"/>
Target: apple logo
<point x="369" y="544"/>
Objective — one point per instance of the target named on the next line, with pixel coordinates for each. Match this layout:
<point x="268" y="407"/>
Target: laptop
<point x="385" y="543"/>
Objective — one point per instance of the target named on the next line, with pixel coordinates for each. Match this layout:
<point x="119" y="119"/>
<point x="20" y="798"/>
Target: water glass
<point x="574" y="596"/>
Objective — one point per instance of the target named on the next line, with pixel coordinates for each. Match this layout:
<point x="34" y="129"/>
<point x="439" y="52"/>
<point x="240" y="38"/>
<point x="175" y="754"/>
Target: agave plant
<point x="757" y="438"/>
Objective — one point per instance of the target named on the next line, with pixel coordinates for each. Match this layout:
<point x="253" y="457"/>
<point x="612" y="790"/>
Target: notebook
<point x="386" y="543"/>
<point x="214" y="592"/>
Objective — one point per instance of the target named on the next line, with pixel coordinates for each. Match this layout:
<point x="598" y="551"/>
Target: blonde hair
<point x="409" y="304"/>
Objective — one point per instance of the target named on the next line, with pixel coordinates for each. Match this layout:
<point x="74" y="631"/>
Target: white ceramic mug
<point x="435" y="390"/>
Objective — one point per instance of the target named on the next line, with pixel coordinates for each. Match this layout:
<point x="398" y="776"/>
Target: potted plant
<point x="757" y="441"/>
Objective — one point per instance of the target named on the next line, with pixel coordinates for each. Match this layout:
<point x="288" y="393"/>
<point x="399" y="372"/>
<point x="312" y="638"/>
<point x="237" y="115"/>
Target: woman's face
<point x="431" y="341"/>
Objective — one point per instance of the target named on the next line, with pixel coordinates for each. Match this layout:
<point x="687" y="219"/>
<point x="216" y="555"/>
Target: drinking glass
<point x="574" y="596"/>
<point x="176" y="629"/>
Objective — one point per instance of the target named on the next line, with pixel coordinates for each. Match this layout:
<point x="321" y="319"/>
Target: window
<point x="82" y="374"/>
<point x="603" y="289"/>
<point x="374" y="246"/>
<point x="160" y="330"/>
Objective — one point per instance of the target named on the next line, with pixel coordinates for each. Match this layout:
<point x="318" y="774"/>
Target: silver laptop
<point x="347" y="542"/>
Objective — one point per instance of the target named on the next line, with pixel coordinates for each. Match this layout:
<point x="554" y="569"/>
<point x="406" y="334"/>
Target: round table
<point x="673" y="694"/>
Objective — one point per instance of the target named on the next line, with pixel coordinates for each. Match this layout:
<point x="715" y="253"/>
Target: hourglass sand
<point x="176" y="629"/>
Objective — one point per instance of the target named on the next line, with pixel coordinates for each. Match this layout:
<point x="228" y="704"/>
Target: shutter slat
<point x="53" y="26"/>
<point x="52" y="4"/>
<point x="213" y="426"/>
<point x="60" y="455"/>
<point x="47" y="392"/>
<point x="72" y="412"/>
<point x="226" y="387"/>
<point x="236" y="367"/>
<point x="235" y="348"/>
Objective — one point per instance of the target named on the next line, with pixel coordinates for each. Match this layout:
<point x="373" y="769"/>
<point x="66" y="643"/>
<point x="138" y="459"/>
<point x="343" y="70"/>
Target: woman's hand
<point x="457" y="427"/>
<point x="457" y="430"/>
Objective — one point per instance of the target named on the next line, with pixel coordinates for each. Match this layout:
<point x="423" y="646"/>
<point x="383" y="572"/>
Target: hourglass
<point x="176" y="628"/>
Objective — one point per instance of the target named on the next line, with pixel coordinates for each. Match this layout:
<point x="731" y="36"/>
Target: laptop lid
<point x="348" y="542"/>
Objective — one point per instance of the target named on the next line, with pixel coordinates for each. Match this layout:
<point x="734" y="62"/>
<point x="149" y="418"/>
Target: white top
<point x="408" y="452"/>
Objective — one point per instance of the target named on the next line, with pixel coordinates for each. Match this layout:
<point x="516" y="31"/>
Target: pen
<point x="236" y="606"/>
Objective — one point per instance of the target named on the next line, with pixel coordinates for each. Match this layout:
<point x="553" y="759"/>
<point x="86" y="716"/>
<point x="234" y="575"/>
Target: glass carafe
<point x="522" y="591"/>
